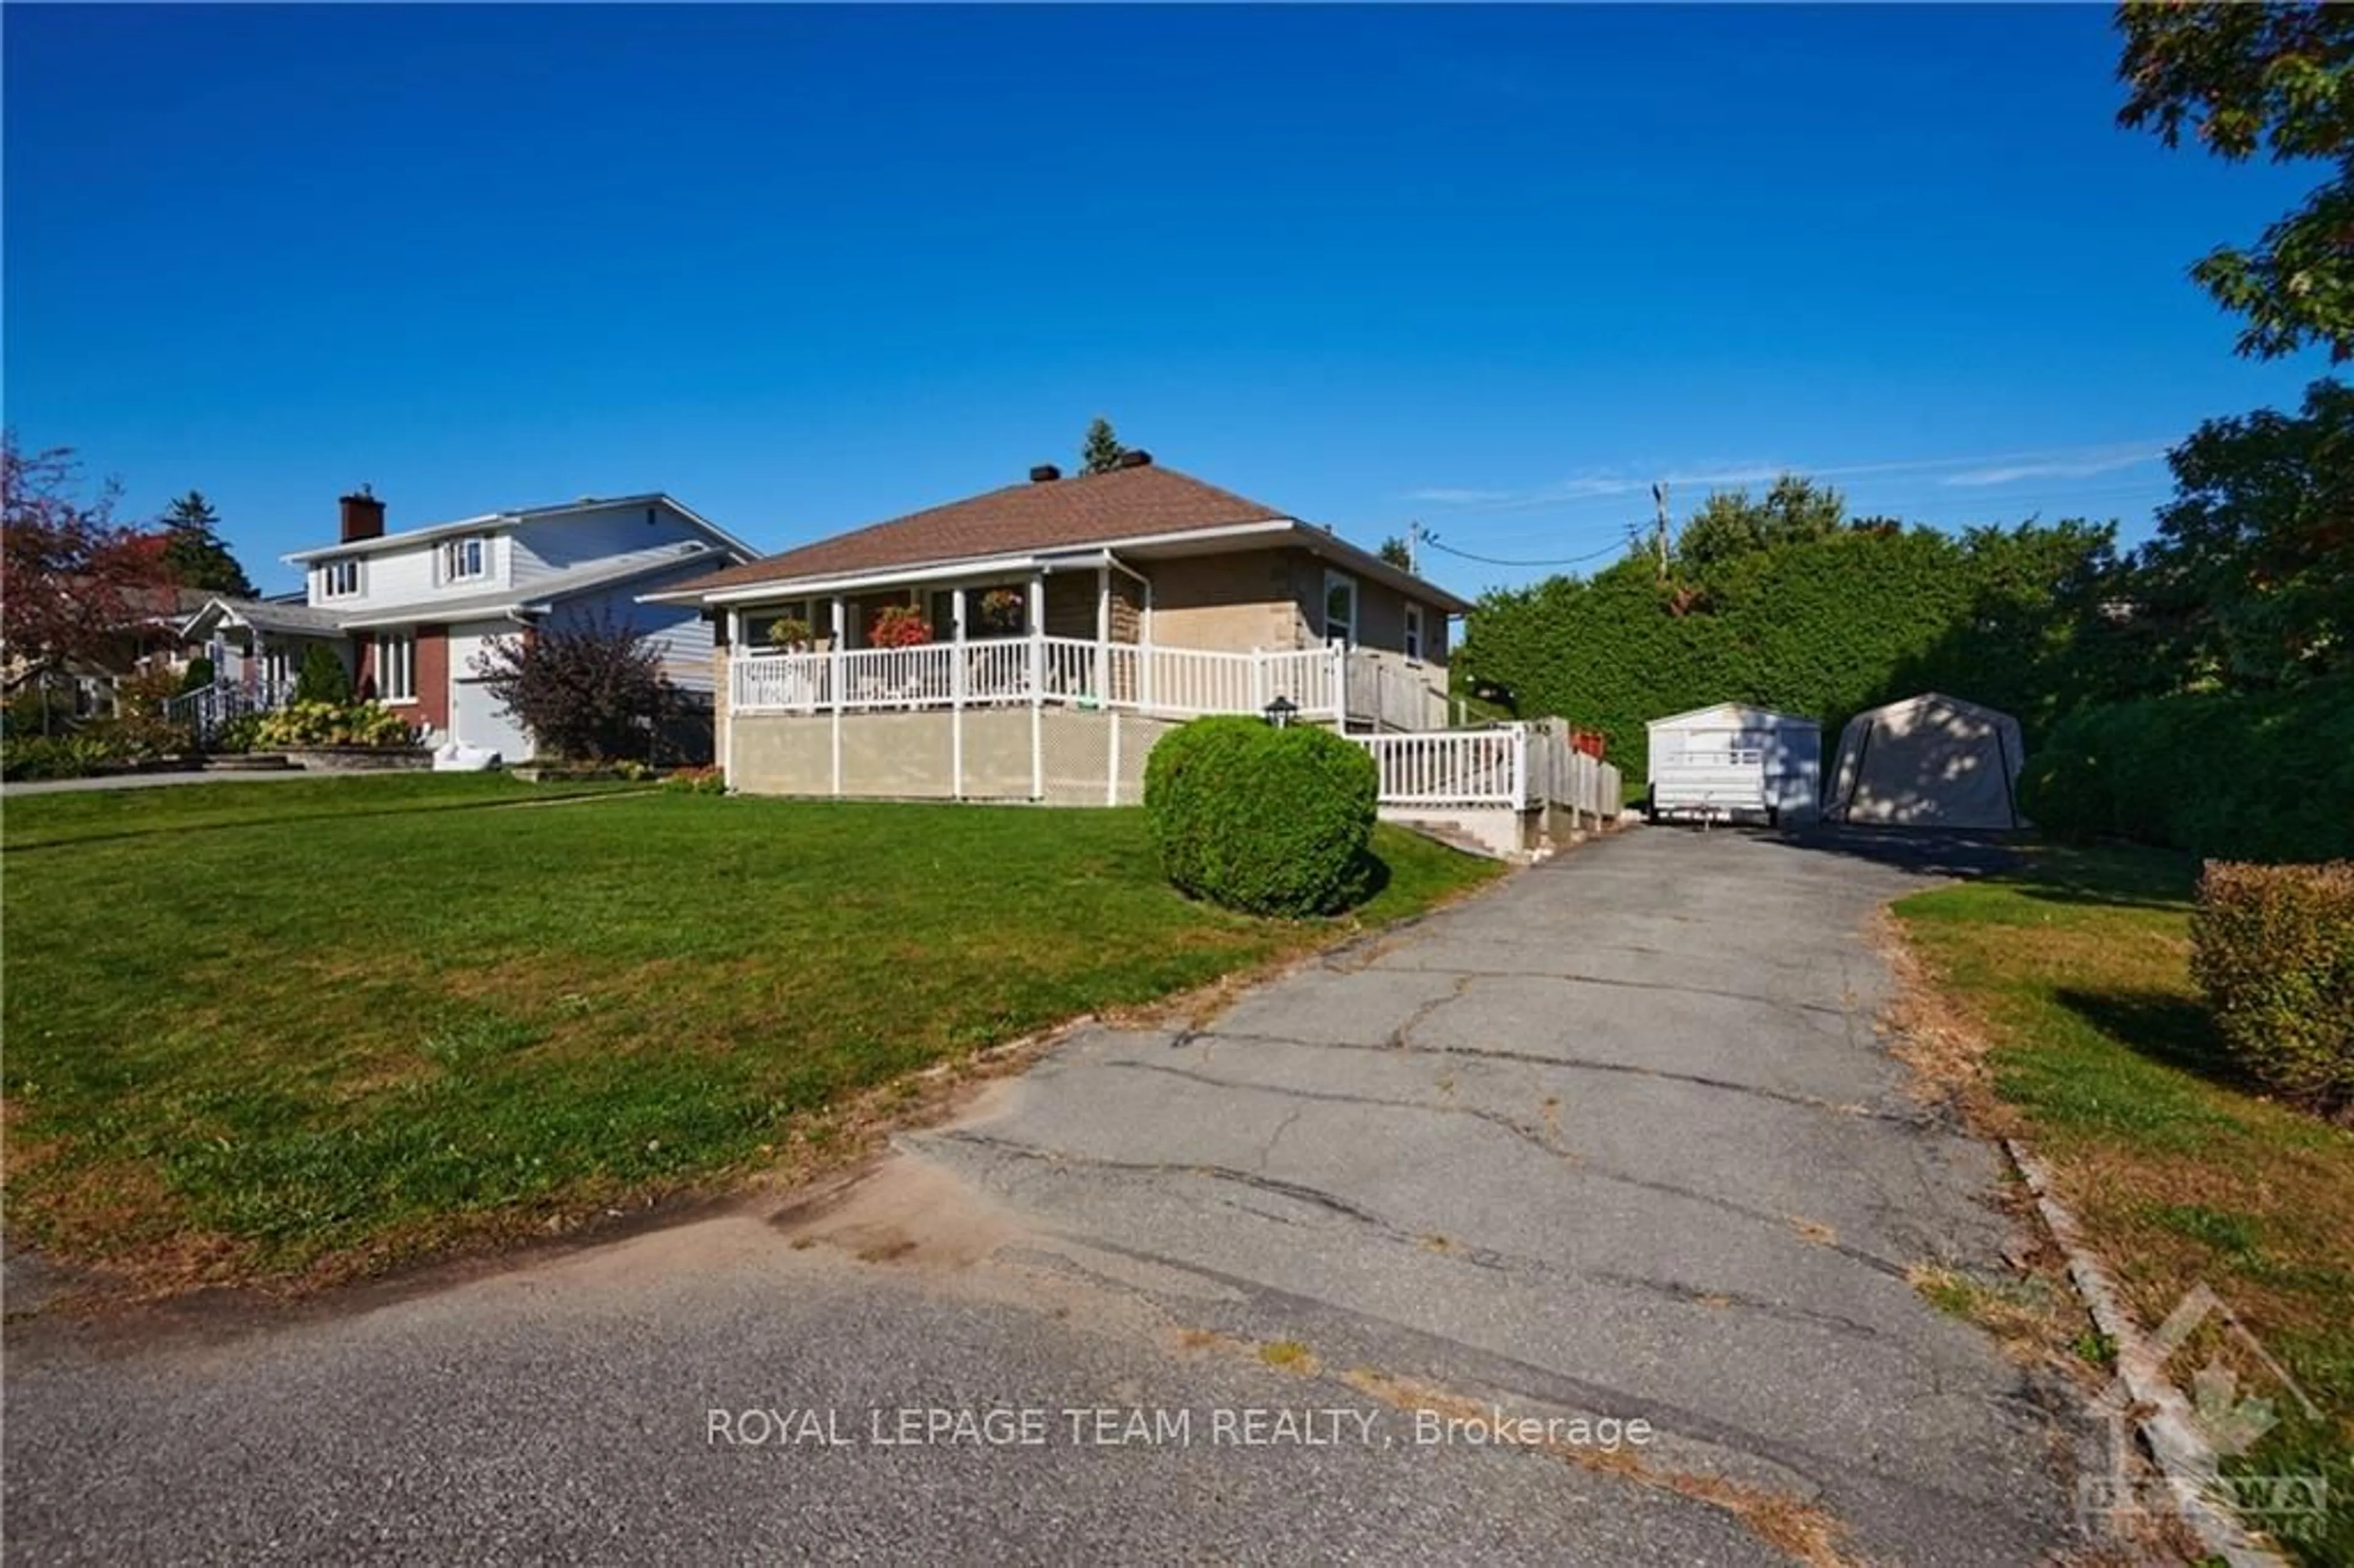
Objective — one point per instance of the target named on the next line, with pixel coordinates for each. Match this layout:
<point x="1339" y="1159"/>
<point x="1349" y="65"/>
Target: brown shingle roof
<point x="1125" y="503"/>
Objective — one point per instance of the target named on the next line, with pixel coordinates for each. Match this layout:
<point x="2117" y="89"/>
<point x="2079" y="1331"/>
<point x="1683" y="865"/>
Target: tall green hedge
<point x="1826" y="628"/>
<point x="1267" y="821"/>
<point x="2248" y="776"/>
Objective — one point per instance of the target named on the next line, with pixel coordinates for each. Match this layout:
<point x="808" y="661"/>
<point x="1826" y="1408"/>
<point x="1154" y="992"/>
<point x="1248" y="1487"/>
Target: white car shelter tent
<point x="1733" y="759"/>
<point x="1930" y="761"/>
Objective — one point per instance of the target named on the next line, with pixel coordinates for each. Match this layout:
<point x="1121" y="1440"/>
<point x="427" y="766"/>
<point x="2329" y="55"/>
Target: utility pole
<point x="1659" y="535"/>
<point x="1414" y="546"/>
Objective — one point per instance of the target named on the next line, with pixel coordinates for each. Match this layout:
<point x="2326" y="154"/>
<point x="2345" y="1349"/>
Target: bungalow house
<point x="1034" y="641"/>
<point x="147" y="636"/>
<point x="408" y="613"/>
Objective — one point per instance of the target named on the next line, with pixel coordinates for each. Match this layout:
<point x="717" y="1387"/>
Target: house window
<point x="339" y="578"/>
<point x="462" y="560"/>
<point x="1414" y="631"/>
<point x="1340" y="608"/>
<point x="395" y="667"/>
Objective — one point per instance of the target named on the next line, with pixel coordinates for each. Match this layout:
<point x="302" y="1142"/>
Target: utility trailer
<point x="1734" y="763"/>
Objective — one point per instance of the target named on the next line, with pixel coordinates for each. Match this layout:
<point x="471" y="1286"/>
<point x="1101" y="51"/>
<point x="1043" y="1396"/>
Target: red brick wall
<point x="432" y="677"/>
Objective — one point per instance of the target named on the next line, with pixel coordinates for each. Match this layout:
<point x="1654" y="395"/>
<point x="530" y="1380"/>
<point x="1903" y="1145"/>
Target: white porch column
<point x="833" y="683"/>
<point x="1103" y="634"/>
<point x="1144" y="650"/>
<point x="724" y="743"/>
<point x="956" y="690"/>
<point x="1037" y="685"/>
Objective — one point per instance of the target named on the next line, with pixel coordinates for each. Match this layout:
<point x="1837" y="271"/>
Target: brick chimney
<point x="363" y="517"/>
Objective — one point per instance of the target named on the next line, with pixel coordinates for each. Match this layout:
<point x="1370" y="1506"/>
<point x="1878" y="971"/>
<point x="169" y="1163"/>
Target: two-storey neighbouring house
<point x="409" y="613"/>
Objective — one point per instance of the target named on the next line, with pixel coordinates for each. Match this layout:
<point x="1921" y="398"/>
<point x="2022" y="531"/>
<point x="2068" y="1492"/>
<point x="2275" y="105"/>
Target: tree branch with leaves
<point x="2276" y="79"/>
<point x="76" y="580"/>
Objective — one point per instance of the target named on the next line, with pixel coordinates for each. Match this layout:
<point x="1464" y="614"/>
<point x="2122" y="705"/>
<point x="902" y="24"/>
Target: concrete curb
<point x="2160" y="1414"/>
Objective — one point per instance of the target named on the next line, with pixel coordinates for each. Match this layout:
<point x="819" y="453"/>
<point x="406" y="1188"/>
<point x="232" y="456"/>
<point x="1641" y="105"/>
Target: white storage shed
<point x="1736" y="760"/>
<point x="1930" y="761"/>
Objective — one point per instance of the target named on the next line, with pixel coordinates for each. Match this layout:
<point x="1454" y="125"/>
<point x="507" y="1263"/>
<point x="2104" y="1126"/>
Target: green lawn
<point x="2102" y="1058"/>
<point x="282" y="1030"/>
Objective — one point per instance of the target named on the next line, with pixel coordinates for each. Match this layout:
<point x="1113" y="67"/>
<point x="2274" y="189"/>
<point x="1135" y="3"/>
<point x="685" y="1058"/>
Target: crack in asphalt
<point x="1486" y="1257"/>
<point x="1519" y="1129"/>
<point x="1533" y="1058"/>
<point x="1673" y="987"/>
<point x="1527" y="1380"/>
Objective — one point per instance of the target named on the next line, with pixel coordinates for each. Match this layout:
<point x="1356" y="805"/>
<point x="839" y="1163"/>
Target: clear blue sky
<point x="807" y="268"/>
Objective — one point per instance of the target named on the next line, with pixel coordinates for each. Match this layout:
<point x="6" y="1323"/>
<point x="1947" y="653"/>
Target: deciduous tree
<point x="2275" y="78"/>
<point x="2254" y="556"/>
<point x="1395" y="552"/>
<point x="590" y="689"/>
<point x="76" y="579"/>
<point x="1730" y="523"/>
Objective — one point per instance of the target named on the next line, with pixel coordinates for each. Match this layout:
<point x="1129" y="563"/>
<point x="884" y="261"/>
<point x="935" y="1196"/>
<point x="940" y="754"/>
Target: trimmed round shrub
<point x="1266" y="821"/>
<point x="2273" y="948"/>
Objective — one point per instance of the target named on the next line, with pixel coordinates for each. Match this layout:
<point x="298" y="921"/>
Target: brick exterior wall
<point x="433" y="678"/>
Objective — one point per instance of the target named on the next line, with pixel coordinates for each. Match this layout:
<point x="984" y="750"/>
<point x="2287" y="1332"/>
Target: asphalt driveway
<point x="1613" y="1156"/>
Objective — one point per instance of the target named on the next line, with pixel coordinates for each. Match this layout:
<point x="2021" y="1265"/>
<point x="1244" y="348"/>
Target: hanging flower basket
<point x="899" y="626"/>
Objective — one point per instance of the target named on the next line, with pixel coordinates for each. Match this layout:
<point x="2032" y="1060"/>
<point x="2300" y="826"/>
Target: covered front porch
<point x="1076" y="634"/>
<point x="256" y="648"/>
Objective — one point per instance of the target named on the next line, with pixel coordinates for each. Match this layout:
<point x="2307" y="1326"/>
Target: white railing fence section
<point x="1561" y="774"/>
<point x="1388" y="692"/>
<point x="1450" y="767"/>
<point x="1521" y="766"/>
<point x="207" y="709"/>
<point x="1178" y="681"/>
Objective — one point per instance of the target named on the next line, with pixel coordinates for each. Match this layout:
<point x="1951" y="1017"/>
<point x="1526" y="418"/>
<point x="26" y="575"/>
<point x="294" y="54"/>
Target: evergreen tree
<point x="1396" y="551"/>
<point x="323" y="678"/>
<point x="1101" y="451"/>
<point x="195" y="551"/>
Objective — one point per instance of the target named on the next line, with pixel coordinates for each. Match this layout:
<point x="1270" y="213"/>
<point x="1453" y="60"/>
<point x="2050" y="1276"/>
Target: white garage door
<point x="480" y="720"/>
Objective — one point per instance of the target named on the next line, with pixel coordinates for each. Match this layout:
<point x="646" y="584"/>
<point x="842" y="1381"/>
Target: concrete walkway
<point x="1614" y="1142"/>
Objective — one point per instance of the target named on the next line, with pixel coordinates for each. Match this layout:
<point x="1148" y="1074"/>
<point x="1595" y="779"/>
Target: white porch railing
<point x="1451" y="768"/>
<point x="1390" y="691"/>
<point x="1068" y="671"/>
<point x="208" y="708"/>
<point x="1520" y="767"/>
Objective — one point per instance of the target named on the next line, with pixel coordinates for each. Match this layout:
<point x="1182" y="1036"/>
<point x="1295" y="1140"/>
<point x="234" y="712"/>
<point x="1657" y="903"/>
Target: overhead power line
<point x="1432" y="540"/>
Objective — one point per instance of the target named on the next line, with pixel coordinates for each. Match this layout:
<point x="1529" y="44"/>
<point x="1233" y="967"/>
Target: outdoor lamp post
<point x="1279" y="712"/>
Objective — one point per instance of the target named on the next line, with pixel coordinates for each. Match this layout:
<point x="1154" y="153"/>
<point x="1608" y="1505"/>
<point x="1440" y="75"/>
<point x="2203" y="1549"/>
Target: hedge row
<point x="1826" y="628"/>
<point x="1267" y="821"/>
<point x="2273" y="947"/>
<point x="2262" y="776"/>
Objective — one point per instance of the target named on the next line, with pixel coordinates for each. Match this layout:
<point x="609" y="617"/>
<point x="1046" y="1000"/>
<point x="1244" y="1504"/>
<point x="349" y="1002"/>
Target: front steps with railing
<point x="209" y="709"/>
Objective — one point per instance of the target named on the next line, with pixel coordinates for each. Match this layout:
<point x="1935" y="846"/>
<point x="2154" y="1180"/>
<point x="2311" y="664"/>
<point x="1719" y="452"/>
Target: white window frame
<point x="1412" y="630"/>
<point x="453" y="554"/>
<point x="339" y="566"/>
<point x="1348" y="633"/>
<point x="396" y="668"/>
